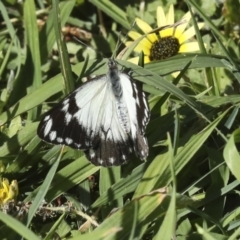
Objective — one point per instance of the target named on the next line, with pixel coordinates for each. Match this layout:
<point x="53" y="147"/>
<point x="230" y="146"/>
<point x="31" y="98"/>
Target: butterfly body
<point x="106" y="117"/>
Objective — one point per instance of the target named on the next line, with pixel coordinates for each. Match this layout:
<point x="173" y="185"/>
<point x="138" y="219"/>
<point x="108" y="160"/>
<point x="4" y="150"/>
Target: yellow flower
<point x="168" y="42"/>
<point x="8" y="191"/>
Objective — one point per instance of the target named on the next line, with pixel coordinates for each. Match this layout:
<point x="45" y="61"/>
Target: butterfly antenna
<point x="121" y="41"/>
<point x="87" y="46"/>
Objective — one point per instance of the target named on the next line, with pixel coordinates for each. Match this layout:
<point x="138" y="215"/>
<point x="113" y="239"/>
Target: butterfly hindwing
<point x="139" y="115"/>
<point x="110" y="152"/>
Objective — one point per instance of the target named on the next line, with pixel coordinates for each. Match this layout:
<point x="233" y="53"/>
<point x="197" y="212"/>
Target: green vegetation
<point x="189" y="186"/>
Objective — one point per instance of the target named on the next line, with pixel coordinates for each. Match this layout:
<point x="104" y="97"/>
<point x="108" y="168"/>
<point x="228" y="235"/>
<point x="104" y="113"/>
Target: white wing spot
<point x="48" y="127"/>
<point x="46" y="118"/>
<point x="77" y="145"/>
<point x="100" y="161"/>
<point x="68" y="140"/>
<point x="52" y="135"/>
<point x="130" y="150"/>
<point x="68" y="118"/>
<point x="65" y="108"/>
<point x="144" y="101"/>
<point x="66" y="101"/>
<point x="123" y="157"/>
<point x="146" y="111"/>
<point x="137" y="98"/>
<point x="111" y="160"/>
<point x="59" y="139"/>
<point x="92" y="153"/>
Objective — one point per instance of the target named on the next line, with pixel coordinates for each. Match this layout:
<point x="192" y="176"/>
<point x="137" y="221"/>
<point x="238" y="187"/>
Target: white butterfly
<point x="106" y="117"/>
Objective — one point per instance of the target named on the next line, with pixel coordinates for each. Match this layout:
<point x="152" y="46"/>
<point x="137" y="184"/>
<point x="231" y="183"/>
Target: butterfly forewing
<point x="108" y="122"/>
<point x="67" y="122"/>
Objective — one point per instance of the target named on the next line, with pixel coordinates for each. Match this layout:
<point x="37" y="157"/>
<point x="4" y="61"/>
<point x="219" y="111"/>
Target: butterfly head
<point x="113" y="72"/>
<point x="112" y="64"/>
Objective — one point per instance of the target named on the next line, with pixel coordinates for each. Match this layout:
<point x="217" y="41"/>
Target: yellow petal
<point x="136" y="59"/>
<point x="189" y="33"/>
<point x="152" y="37"/>
<point x="11" y="194"/>
<point x="168" y="32"/>
<point x="175" y="74"/>
<point x="189" y="47"/>
<point x="170" y="15"/>
<point x="200" y="25"/>
<point x="5" y="184"/>
<point x="143" y="25"/>
<point x="180" y="28"/>
<point x="145" y="43"/>
<point x="128" y="43"/>
<point x="134" y="35"/>
<point x="161" y="18"/>
<point x="2" y="194"/>
<point x="14" y="184"/>
<point x="146" y="59"/>
<point x="143" y="46"/>
<point x="146" y="28"/>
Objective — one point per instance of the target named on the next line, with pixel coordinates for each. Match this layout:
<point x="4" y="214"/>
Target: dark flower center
<point x="164" y="48"/>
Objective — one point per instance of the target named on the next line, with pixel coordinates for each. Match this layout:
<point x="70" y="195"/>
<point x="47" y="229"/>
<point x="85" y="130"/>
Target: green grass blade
<point x="206" y="19"/>
<point x="19" y="140"/>
<point x="113" y="11"/>
<point x="167" y="229"/>
<point x="63" y="54"/>
<point x="235" y="235"/>
<point x="67" y="177"/>
<point x="231" y="154"/>
<point x="47" y="35"/>
<point x="123" y="218"/>
<point x="158" y="174"/>
<point x="51" y="232"/>
<point x="122" y="187"/>
<point x="18" y="227"/>
<point x="108" y="177"/>
<point x="33" y="54"/>
<point x="42" y="191"/>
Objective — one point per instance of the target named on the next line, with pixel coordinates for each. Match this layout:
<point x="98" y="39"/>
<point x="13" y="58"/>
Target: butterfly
<point x="106" y="117"/>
